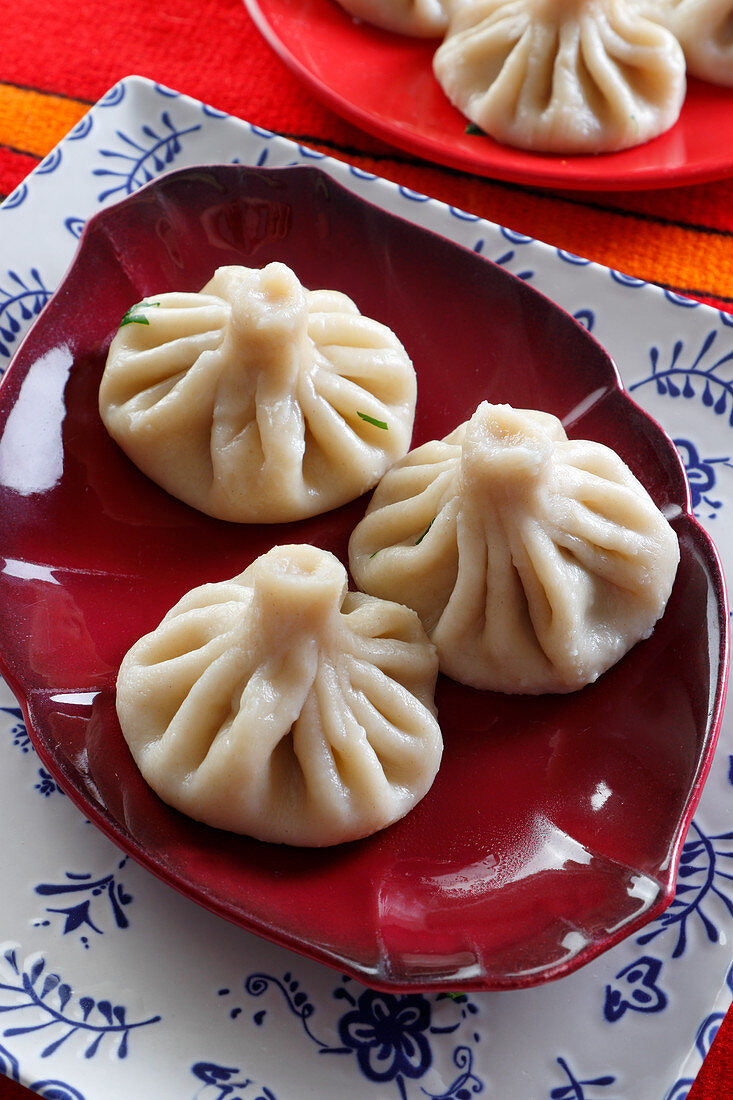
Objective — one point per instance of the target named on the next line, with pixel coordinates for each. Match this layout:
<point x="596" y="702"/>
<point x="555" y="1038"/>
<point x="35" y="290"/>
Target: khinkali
<point x="421" y="18"/>
<point x="535" y="561"/>
<point x="257" y="400"/>
<point x="704" y="29"/>
<point x="279" y="705"/>
<point x="562" y="76"/>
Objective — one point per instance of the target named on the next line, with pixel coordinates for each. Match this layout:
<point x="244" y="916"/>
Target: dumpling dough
<point x="420" y="18"/>
<point x="278" y="705"/>
<point x="257" y="400"/>
<point x="534" y="561"/>
<point x="562" y="76"/>
<point x="704" y="29"/>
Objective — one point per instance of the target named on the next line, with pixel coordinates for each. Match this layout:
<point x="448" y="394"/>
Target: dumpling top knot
<point x="298" y="594"/>
<point x="257" y="400"/>
<point x="504" y="449"/>
<point x="268" y="303"/>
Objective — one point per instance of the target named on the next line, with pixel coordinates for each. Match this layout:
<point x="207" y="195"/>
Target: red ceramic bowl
<point x="554" y="827"/>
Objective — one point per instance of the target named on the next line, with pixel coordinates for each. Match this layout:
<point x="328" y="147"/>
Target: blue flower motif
<point x="706" y="373"/>
<point x="637" y="989"/>
<point x="575" y="1088"/>
<point x="221" y="1078"/>
<point x="20" y="303"/>
<point x="79" y="914"/>
<point x="701" y="475"/>
<point x="138" y="161"/>
<point x="18" y="730"/>
<point x="46" y="784"/>
<point x="701" y="879"/>
<point x="36" y="988"/>
<point x="387" y="1032"/>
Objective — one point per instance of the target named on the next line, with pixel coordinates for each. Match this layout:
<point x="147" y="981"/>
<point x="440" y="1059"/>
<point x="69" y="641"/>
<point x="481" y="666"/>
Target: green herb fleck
<point x="375" y="553"/>
<point x="370" y="420"/>
<point x="134" y="316"/>
<point x="472" y="128"/>
<point x="456" y="996"/>
<point x="422" y="536"/>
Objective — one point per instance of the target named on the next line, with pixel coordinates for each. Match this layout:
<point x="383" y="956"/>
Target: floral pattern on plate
<point x="112" y="985"/>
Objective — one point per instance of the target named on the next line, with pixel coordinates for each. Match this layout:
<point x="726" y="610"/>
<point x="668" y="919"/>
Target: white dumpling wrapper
<point x="419" y="18"/>
<point x="257" y="400"/>
<point x="562" y="76"/>
<point x="534" y="561"/>
<point x="280" y="706"/>
<point x="704" y="29"/>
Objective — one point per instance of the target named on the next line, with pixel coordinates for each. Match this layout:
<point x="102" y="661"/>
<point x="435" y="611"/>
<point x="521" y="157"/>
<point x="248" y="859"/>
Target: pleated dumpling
<point x="534" y="561"/>
<point x="281" y="706"/>
<point x="257" y="400"/>
<point x="704" y="29"/>
<point x="562" y="76"/>
<point x="420" y="18"/>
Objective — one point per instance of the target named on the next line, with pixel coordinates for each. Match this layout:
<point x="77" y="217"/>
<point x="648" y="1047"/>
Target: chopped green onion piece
<point x="422" y="536"/>
<point x="134" y="316"/>
<point x="472" y="128"/>
<point x="370" y="420"/>
<point x="455" y="996"/>
<point x="375" y="553"/>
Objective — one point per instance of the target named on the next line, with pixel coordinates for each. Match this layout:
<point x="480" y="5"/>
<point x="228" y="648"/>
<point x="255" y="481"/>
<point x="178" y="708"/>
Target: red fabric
<point x="59" y="56"/>
<point x="680" y="237"/>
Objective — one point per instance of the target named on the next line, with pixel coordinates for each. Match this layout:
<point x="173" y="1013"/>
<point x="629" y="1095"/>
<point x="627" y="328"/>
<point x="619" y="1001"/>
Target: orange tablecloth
<point x="60" y="56"/>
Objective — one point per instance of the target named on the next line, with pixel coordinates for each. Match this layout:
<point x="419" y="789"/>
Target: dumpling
<point x="534" y="561"/>
<point x="421" y="18"/>
<point x="281" y="706"/>
<point x="704" y="29"/>
<point x="562" y="76"/>
<point x="257" y="400"/>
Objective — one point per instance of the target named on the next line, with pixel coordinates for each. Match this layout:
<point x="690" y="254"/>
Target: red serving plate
<point x="384" y="83"/>
<point x="555" y="824"/>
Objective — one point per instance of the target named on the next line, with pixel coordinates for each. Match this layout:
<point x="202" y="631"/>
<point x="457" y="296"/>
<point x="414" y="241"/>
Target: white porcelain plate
<point x="113" y="986"/>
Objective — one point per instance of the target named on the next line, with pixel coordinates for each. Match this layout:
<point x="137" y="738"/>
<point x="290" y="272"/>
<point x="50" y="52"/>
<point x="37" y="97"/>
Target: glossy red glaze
<point x="384" y="83"/>
<point x="555" y="824"/>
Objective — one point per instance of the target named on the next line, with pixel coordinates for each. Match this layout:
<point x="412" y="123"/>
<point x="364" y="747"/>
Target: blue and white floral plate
<point x="112" y="985"/>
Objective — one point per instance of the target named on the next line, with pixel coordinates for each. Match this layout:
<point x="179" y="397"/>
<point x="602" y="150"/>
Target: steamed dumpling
<point x="257" y="400"/>
<point x="279" y="705"/>
<point x="562" y="76"/>
<point x="534" y="561"/>
<point x="704" y="29"/>
<point x="421" y="18"/>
